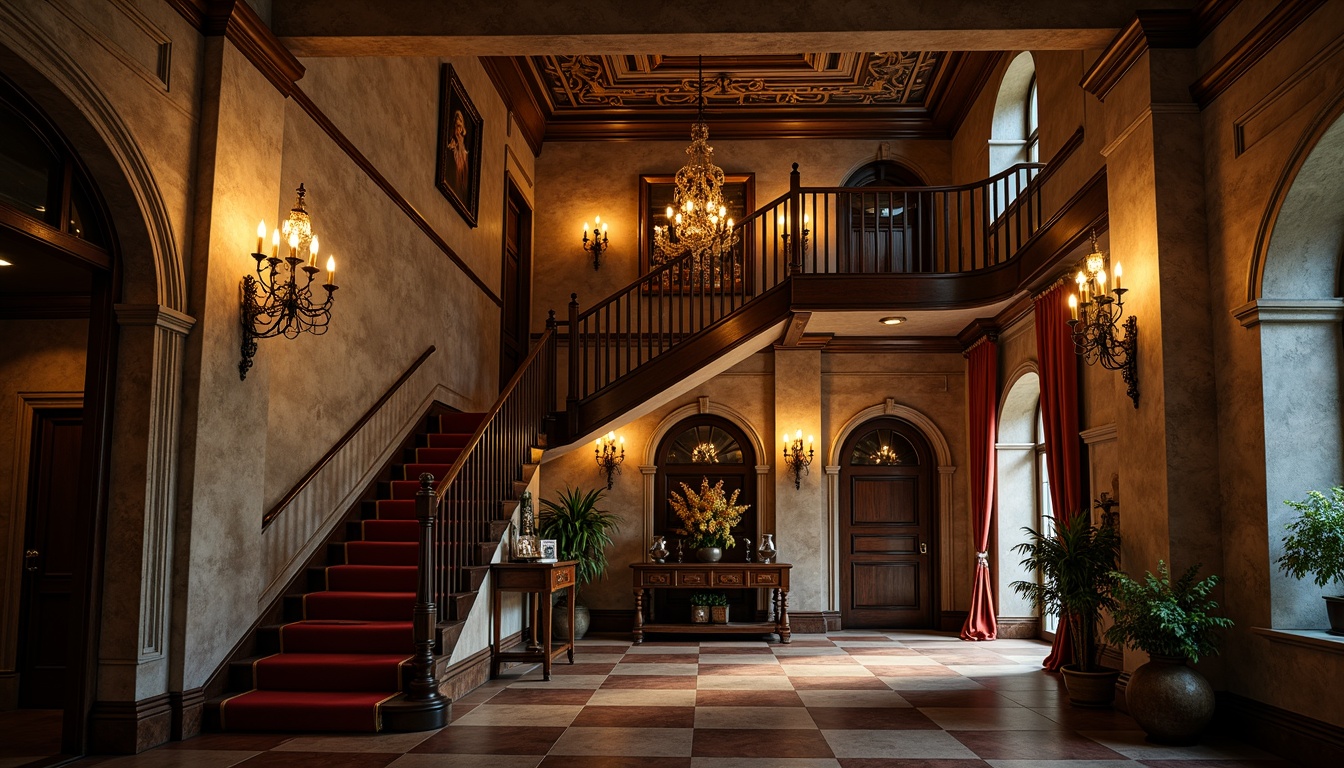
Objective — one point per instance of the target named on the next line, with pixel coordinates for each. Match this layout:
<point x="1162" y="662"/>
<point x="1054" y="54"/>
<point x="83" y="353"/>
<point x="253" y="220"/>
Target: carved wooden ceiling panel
<point x="902" y="94"/>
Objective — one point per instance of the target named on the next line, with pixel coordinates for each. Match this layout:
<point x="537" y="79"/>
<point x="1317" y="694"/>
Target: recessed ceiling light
<point x="4" y="263"/>
<point x="892" y="320"/>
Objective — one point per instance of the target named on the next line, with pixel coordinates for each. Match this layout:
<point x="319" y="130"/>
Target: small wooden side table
<point x="538" y="581"/>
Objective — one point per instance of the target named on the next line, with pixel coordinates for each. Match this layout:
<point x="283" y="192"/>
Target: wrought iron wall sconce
<point x="796" y="461"/>
<point x="608" y="459"/>
<point x="278" y="301"/>
<point x="795" y="266"/>
<point x="599" y="242"/>
<point x="1096" y="321"/>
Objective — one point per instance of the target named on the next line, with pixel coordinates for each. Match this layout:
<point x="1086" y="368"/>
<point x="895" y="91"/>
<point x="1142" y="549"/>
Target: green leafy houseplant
<point x="709" y="598"/>
<point x="1166" y="618"/>
<point x="581" y="531"/>
<point x="1076" y="564"/>
<point x="1315" y="541"/>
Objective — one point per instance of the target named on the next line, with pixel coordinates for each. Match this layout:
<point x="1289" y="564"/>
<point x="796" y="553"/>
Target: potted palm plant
<point x="1315" y="545"/>
<point x="1173" y="623"/>
<point x="582" y="532"/>
<point x="1076" y="565"/>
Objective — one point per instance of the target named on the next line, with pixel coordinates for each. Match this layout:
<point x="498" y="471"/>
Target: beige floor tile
<point x="664" y="649"/>
<point x="560" y="681"/>
<point x="744" y="683"/>
<point x="1135" y="746"/>
<point x="826" y="670"/>
<point x="1062" y="764"/>
<point x="642" y="697"/>
<point x="370" y="742"/>
<point x="739" y="658"/>
<point x="895" y="661"/>
<point x="658" y="668"/>
<point x="764" y="762"/>
<point x="538" y="715"/>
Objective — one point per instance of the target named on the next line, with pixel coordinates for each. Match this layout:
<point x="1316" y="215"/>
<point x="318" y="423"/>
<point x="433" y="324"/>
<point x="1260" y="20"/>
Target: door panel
<point x="515" y="285"/>
<point x="49" y="557"/>
<point x="887" y="529"/>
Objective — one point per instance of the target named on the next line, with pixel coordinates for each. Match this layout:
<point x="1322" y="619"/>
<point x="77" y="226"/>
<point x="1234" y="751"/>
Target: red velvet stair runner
<point x="344" y="658"/>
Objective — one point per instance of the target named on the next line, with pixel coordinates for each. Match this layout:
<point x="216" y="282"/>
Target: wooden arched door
<point x="705" y="447"/>
<point x="888" y="528"/>
<point x="883" y="230"/>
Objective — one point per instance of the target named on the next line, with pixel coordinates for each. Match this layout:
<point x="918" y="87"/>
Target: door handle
<point x="30" y="559"/>
<point x="923" y="548"/>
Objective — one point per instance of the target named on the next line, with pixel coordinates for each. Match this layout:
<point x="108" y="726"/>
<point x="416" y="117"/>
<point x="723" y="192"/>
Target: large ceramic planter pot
<point x="1334" y="608"/>
<point x="1169" y="700"/>
<point x="560" y="621"/>
<point x="1095" y="690"/>
<point x="709" y="554"/>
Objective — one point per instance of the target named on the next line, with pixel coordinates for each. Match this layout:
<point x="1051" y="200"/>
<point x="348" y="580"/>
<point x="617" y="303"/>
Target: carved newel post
<point x="420" y="684"/>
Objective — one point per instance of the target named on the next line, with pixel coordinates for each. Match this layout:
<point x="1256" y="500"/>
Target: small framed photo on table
<point x="548" y="551"/>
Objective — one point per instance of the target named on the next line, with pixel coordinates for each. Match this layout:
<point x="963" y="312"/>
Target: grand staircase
<point x="341" y="654"/>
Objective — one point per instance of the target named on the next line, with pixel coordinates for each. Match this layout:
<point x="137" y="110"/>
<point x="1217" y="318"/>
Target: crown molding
<point x="1148" y="30"/>
<point x="1271" y="31"/>
<point x="869" y="345"/>
<point x="516" y="87"/>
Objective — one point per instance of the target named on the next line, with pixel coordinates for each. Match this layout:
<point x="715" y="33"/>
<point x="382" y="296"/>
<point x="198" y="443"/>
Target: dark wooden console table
<point x="769" y="576"/>
<point x="537" y="581"/>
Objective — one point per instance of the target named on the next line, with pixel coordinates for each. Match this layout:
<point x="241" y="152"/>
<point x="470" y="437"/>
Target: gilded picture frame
<point x="457" y="173"/>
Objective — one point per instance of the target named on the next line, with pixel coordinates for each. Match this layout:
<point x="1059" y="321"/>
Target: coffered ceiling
<point x="884" y="95"/>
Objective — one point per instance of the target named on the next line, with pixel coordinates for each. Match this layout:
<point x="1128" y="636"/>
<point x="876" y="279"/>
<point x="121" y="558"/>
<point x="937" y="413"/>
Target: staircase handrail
<point x="546" y="342"/>
<point x="293" y="493"/>
<point x="1011" y="170"/>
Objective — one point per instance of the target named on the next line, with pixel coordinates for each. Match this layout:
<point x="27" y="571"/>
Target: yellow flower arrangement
<point x="709" y="516"/>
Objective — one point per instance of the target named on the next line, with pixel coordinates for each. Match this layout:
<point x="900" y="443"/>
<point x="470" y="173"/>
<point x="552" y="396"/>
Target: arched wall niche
<point x="943" y="456"/>
<point x="704" y="405"/>
<point x="1296" y="313"/>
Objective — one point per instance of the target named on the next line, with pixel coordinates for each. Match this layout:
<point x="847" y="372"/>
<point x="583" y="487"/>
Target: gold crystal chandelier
<point x="697" y="220"/>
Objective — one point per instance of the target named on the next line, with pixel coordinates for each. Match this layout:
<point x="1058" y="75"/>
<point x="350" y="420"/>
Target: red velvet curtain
<point x="982" y="399"/>
<point x="1059" y="412"/>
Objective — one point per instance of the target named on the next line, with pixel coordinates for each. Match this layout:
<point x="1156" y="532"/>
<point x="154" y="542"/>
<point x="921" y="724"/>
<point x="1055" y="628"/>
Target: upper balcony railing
<point x="809" y="230"/>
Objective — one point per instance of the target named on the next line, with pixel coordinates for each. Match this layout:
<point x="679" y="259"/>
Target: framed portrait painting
<point x="655" y="196"/>
<point x="458" y="171"/>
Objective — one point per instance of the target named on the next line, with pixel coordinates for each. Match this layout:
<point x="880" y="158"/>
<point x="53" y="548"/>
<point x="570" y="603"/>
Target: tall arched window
<point x="1014" y="137"/>
<point x="1023" y="499"/>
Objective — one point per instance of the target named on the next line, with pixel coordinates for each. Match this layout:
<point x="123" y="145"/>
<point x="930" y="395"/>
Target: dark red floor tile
<point x="759" y="743"/>
<point x="635" y="717"/>
<point x="838" y="684"/>
<point x="590" y="761"/>
<point x="967" y="698"/>
<point x="713" y="698"/>
<point x="1217" y="764"/>
<point x="830" y="658"/>
<point x="491" y="740"/>
<point x="667" y="682"/>
<point x="660" y="658"/>
<point x="722" y="649"/>
<point x="586" y="650"/>
<point x="541" y="696"/>
<point x="249" y="742"/>
<point x="1033" y="745"/>
<point x="871" y="719"/>
<point x="1079" y="719"/>
<point x="320" y="760"/>
<point x="582" y="669"/>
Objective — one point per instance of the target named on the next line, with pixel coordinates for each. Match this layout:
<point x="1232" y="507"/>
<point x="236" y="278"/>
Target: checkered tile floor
<point x="847" y="699"/>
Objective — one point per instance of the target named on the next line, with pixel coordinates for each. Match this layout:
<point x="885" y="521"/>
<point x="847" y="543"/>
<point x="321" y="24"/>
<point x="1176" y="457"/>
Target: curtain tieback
<point x="982" y="559"/>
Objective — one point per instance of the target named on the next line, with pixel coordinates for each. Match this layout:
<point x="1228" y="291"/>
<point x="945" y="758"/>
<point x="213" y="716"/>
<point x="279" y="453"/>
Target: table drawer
<point x="655" y="579"/>
<point x="730" y="578"/>
<point x="562" y="578"/>
<point x="692" y="578"/>
<point x="763" y="578"/>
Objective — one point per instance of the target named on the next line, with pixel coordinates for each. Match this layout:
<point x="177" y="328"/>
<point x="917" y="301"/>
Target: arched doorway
<point x="888" y="527"/>
<point x="59" y="284"/>
<point x="880" y="229"/>
<point x="705" y="446"/>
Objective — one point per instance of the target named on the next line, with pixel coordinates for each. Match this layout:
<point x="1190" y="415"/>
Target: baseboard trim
<point x="472" y="672"/>
<point x="611" y="620"/>
<point x="814" y="622"/>
<point x="951" y="621"/>
<point x="1018" y="627"/>
<point x="188" y="708"/>
<point x="130" y="727"/>
<point x="1286" y="733"/>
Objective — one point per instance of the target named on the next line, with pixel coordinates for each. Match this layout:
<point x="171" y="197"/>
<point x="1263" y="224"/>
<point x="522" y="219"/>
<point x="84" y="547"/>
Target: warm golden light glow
<point x="261" y="236"/>
<point x="893" y="320"/>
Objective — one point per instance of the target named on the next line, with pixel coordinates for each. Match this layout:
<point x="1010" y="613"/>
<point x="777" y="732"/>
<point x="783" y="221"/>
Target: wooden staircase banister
<point x="293" y="493"/>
